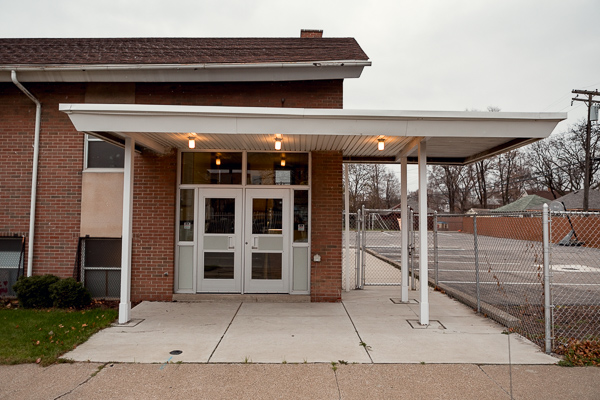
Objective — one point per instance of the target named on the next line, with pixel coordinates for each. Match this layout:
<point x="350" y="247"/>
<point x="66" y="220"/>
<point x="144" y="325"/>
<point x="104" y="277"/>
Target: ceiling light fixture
<point x="283" y="162"/>
<point x="218" y="161"/>
<point x="278" y="140"/>
<point x="191" y="141"/>
<point x="380" y="144"/>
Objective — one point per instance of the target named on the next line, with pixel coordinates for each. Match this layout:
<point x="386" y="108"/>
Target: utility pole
<point x="588" y="168"/>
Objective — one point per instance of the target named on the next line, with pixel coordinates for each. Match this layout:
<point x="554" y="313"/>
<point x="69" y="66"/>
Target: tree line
<point x="555" y="164"/>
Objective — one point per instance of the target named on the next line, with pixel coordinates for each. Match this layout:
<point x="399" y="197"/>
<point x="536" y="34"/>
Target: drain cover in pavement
<point x="433" y="324"/>
<point x="176" y="352"/>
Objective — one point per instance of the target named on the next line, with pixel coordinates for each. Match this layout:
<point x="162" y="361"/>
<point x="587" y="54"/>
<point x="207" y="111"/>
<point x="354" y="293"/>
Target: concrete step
<point x="246" y="298"/>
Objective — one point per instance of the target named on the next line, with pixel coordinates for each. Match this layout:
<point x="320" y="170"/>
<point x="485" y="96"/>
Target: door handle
<point x="255" y="243"/>
<point x="231" y="244"/>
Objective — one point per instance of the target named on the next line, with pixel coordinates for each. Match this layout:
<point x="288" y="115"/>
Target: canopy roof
<point x="452" y="137"/>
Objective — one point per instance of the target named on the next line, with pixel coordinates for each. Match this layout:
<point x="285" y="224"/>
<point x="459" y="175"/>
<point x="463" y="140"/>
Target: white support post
<point x="348" y="266"/>
<point x="125" y="304"/>
<point x="404" y="228"/>
<point x="423" y="245"/>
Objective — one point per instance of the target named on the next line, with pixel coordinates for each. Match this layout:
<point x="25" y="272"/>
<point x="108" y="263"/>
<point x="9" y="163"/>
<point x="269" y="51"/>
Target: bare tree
<point x="512" y="175"/>
<point x="558" y="162"/>
<point x="482" y="169"/>
<point x="454" y="183"/>
<point x="358" y="177"/>
<point x="372" y="185"/>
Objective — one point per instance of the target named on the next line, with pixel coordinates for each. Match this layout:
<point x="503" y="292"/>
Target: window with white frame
<point x="101" y="154"/>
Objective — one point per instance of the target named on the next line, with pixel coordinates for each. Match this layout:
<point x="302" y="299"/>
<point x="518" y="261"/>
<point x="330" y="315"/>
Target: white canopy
<point x="452" y="137"/>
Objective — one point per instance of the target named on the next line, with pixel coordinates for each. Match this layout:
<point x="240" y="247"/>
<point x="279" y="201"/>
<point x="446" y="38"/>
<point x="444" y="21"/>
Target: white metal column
<point x="404" y="228"/>
<point x="347" y="267"/>
<point x="423" y="262"/>
<point x="126" y="236"/>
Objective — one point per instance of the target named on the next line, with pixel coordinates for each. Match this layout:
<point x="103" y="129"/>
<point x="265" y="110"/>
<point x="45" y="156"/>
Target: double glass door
<point x="244" y="241"/>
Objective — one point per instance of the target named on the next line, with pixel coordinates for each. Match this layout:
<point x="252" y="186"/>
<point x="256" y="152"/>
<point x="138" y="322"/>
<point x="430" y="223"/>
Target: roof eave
<point x="203" y="72"/>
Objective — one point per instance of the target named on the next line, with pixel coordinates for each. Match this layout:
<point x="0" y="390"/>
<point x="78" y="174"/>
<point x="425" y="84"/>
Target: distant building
<point x="527" y="203"/>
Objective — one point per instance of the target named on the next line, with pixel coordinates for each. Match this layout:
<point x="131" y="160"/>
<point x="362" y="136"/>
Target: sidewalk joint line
<point x="357" y="334"/>
<point x="338" y="385"/>
<point x="493" y="380"/>
<point x="224" y="333"/>
<point x="92" y="375"/>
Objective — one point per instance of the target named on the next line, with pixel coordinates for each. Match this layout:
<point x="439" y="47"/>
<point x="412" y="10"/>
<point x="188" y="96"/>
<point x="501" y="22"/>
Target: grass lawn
<point x="28" y="336"/>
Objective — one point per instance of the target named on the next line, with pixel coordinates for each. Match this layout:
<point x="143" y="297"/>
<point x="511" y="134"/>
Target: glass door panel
<point x="220" y="246"/>
<point x="267" y="241"/>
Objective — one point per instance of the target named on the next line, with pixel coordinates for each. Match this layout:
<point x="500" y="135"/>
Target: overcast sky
<point x="518" y="55"/>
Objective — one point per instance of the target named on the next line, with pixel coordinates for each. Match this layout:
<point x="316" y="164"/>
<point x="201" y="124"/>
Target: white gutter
<point x="34" y="172"/>
<point x="205" y="72"/>
<point x="118" y="67"/>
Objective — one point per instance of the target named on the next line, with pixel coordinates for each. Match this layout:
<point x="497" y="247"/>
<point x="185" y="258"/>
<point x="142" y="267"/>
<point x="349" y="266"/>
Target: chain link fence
<point x="575" y="277"/>
<point x="495" y="263"/>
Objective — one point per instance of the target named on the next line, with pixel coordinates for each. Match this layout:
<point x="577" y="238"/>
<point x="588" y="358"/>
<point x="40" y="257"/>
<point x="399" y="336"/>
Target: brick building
<point x="152" y="168"/>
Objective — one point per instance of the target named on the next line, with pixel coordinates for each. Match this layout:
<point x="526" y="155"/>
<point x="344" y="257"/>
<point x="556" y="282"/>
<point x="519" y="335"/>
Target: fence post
<point x="358" y="250"/>
<point x="413" y="285"/>
<point x="364" y="249"/>
<point x="435" y="246"/>
<point x="547" y="300"/>
<point x="476" y="262"/>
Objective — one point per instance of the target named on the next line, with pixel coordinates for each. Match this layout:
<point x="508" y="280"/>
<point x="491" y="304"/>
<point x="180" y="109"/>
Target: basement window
<point x="12" y="252"/>
<point x="101" y="267"/>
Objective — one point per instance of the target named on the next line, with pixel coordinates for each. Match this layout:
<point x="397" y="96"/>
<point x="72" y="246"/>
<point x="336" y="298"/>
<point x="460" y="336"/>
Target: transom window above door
<point x="277" y="169"/>
<point x="217" y="168"/>
<point x="227" y="168"/>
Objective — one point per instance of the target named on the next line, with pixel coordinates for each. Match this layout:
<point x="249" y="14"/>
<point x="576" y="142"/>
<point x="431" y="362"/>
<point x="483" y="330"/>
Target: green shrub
<point x="32" y="291"/>
<point x="68" y="293"/>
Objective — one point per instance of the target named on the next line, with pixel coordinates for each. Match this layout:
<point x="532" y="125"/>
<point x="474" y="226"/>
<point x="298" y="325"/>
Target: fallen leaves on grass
<point x="582" y="353"/>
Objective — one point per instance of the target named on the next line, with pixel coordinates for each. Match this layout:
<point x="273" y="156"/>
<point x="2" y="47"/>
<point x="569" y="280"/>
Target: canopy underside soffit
<point x="452" y="137"/>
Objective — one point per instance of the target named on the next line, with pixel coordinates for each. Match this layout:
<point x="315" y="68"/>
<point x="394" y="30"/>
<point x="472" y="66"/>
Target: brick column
<point x="326" y="221"/>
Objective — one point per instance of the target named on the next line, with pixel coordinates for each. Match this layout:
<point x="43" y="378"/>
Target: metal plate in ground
<point x="571" y="268"/>
<point x="399" y="301"/>
<point x="130" y="324"/>
<point x="433" y="324"/>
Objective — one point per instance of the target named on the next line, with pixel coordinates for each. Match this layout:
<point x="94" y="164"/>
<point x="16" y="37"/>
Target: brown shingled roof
<point x="176" y="50"/>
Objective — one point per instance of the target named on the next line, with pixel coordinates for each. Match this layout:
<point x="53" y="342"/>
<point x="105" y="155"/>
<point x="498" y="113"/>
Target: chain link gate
<point x="378" y="248"/>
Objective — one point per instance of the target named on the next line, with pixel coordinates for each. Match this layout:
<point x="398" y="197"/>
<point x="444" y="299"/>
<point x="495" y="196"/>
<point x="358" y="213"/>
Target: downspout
<point x="34" y="172"/>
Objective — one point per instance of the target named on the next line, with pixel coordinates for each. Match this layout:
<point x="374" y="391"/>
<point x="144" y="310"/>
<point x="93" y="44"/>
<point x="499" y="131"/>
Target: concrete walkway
<point x="366" y="328"/>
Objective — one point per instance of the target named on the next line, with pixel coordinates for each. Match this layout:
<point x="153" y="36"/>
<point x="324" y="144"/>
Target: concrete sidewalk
<point x="365" y="328"/>
<point x="296" y="381"/>
<point x="304" y="350"/>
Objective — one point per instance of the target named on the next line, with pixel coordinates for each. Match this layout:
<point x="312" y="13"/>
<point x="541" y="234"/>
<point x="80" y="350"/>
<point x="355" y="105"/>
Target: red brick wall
<point x="61" y="164"/>
<point x="587" y="228"/>
<point x="307" y="94"/>
<point x="529" y="228"/>
<point x="326" y="239"/>
<point x="452" y="223"/>
<point x="59" y="173"/>
<point x="154" y="190"/>
<point x="17" y="121"/>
